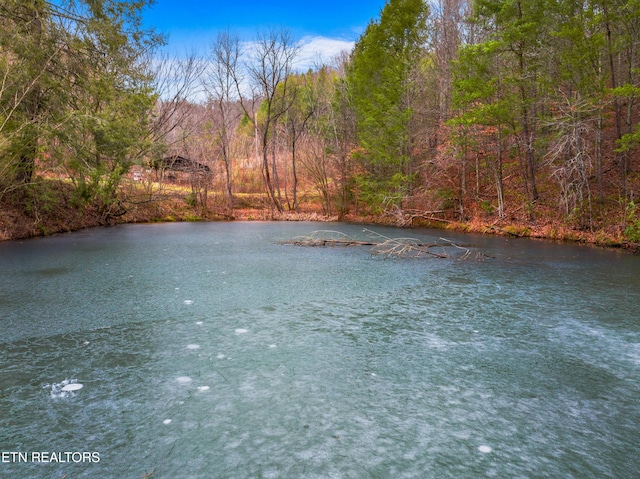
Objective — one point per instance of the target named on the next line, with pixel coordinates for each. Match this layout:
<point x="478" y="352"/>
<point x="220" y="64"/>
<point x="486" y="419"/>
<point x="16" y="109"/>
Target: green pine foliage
<point x="379" y="84"/>
<point x="78" y="96"/>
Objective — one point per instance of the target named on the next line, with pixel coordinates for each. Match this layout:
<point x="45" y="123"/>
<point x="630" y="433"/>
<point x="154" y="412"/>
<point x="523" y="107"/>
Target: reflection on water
<point x="212" y="350"/>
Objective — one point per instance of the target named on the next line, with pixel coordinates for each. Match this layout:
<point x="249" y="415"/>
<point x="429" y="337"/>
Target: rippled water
<point x="215" y="351"/>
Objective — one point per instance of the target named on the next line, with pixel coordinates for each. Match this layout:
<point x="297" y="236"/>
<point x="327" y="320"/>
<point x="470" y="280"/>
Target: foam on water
<point x="64" y="388"/>
<point x="220" y="356"/>
<point x="241" y="331"/>
<point x="188" y="301"/>
<point x="193" y="346"/>
<point x="485" y="449"/>
<point x="203" y="388"/>
<point x="72" y="387"/>
<point x="184" y="379"/>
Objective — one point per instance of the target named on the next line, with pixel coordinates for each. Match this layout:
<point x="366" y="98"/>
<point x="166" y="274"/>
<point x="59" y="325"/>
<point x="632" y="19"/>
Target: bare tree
<point x="570" y="156"/>
<point x="268" y="72"/>
<point x="177" y="82"/>
<point x="341" y="136"/>
<point x="221" y="89"/>
<point x="305" y="101"/>
<point x="200" y="168"/>
<point x="314" y="162"/>
<point x="447" y="35"/>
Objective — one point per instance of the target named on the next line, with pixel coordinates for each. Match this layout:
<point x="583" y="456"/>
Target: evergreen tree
<point x="77" y="91"/>
<point x="485" y="112"/>
<point x="380" y="89"/>
<point x="522" y="32"/>
<point x="28" y="55"/>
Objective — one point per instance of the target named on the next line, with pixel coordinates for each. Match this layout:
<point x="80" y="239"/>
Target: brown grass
<point x="26" y="214"/>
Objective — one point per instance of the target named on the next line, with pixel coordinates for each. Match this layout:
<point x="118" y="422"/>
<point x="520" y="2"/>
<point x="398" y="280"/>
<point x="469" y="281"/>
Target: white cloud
<point x="316" y="51"/>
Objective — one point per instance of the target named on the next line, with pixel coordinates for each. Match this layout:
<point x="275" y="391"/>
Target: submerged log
<point x="383" y="245"/>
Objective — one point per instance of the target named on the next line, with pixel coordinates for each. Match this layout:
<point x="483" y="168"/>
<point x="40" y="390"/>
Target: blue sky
<point x="327" y="26"/>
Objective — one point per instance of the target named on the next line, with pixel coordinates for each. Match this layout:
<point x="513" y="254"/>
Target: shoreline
<point x="17" y="229"/>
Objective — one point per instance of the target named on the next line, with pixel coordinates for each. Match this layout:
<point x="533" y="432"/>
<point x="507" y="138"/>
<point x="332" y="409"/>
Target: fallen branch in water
<point x="384" y="245"/>
<point x="327" y="238"/>
<point x="403" y="247"/>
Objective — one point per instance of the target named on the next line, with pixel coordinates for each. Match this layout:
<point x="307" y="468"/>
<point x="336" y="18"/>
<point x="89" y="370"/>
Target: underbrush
<point x="48" y="207"/>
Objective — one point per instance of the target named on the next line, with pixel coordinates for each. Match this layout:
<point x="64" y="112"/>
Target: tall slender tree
<point x="225" y="56"/>
<point x="340" y="136"/>
<point x="268" y="71"/>
<point x="379" y="82"/>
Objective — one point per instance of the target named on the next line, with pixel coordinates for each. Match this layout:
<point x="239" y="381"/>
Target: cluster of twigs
<point x="386" y="246"/>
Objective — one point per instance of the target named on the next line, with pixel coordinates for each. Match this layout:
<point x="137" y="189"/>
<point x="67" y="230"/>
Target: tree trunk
<point x="294" y="172"/>
<point x="598" y="165"/>
<point x="33" y="104"/>
<point x="622" y="162"/>
<point x="529" y="141"/>
<point x="498" y="176"/>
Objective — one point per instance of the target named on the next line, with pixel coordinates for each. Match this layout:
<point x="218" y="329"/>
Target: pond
<point x="214" y="350"/>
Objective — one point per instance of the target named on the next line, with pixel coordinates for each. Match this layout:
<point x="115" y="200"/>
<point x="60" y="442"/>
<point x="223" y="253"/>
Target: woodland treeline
<point x="504" y="110"/>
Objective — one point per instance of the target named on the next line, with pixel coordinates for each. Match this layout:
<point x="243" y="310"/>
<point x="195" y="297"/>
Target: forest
<point x="518" y="117"/>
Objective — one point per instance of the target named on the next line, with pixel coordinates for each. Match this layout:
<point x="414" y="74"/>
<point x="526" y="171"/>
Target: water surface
<point x="215" y="351"/>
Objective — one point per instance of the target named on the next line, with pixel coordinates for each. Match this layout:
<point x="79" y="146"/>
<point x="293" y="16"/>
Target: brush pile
<point x="389" y="247"/>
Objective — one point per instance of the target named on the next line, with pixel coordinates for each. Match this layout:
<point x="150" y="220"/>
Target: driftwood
<point x="385" y="246"/>
<point x="327" y="238"/>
